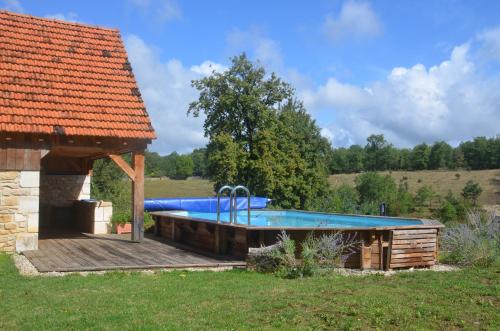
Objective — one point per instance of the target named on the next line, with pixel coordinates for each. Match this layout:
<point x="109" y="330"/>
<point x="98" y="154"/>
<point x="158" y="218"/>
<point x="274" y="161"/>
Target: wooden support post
<point x="138" y="196"/>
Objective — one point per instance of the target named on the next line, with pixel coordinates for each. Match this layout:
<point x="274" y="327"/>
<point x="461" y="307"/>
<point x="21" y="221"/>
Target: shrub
<point x="284" y="255"/>
<point x="471" y="192"/>
<point x="343" y="199"/>
<point x="334" y="249"/>
<point x="423" y="196"/>
<point x="324" y="252"/>
<point x="447" y="212"/>
<point x="474" y="243"/>
<point x="121" y="217"/>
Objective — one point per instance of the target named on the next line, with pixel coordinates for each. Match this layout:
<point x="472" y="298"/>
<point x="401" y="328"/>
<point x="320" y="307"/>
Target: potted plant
<point x="121" y="222"/>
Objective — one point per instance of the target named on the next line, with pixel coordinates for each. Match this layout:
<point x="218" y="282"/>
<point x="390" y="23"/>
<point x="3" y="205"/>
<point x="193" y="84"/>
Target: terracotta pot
<point x="124" y="228"/>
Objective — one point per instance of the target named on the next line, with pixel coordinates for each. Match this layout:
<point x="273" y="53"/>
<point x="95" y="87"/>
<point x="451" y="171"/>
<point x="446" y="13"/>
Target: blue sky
<point x="412" y="70"/>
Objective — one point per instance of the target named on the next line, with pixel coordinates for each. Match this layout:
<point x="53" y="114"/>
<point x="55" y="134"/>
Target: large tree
<point x="260" y="136"/>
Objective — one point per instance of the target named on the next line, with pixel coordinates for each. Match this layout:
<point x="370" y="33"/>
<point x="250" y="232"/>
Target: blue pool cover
<point x="203" y="205"/>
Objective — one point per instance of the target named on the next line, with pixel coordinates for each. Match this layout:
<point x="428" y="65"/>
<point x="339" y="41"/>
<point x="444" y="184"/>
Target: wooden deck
<point x="115" y="252"/>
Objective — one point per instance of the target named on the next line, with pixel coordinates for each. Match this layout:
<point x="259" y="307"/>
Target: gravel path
<point x="27" y="269"/>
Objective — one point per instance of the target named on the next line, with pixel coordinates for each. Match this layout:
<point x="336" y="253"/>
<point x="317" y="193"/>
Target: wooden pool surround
<point x="382" y="248"/>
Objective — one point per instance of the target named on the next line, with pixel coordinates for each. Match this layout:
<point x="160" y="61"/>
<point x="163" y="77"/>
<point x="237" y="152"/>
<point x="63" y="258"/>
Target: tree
<point x="374" y="188"/>
<point x="476" y="154"/>
<point x="109" y="183"/>
<point x="153" y="164"/>
<point x="441" y="156"/>
<point x="339" y="161"/>
<point x="200" y="162"/>
<point x="259" y="135"/>
<point x="356" y="158"/>
<point x="424" y="195"/>
<point x="377" y="152"/>
<point x="183" y="167"/>
<point x="471" y="192"/>
<point x="168" y="165"/>
<point x="419" y="157"/>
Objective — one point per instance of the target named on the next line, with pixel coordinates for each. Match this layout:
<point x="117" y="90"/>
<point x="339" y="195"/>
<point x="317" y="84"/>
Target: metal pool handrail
<point x="225" y="187"/>
<point x="233" y="208"/>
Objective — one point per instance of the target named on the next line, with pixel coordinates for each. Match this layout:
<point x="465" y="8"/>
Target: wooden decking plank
<point x="81" y="259"/>
<point x="92" y="253"/>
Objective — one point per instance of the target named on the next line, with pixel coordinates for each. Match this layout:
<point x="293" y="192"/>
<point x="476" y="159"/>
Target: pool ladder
<point x="233" y="206"/>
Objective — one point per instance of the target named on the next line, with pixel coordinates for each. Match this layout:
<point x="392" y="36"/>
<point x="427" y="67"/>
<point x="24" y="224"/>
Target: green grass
<point x="171" y="188"/>
<point x="467" y="299"/>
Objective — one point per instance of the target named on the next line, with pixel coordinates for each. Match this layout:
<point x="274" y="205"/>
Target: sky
<point x="415" y="71"/>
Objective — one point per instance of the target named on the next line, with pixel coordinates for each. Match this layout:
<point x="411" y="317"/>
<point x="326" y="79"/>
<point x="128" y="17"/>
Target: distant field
<point x="440" y="181"/>
<point x="170" y="188"/>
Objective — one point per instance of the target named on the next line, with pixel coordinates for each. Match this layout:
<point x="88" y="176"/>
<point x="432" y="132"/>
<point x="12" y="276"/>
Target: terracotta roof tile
<point x="74" y="76"/>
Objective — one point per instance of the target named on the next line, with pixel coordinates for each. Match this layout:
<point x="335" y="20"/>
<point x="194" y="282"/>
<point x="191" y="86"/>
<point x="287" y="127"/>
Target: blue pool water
<point x="284" y="219"/>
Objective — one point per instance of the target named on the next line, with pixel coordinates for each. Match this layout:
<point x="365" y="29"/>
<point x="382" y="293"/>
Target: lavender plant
<point x="474" y="243"/>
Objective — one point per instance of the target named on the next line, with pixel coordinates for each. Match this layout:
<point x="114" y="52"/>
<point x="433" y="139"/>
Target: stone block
<point x="30" y="179"/>
<point x="18" y="218"/>
<point x="6" y="218"/>
<point x="10" y="226"/>
<point x="26" y="242"/>
<point x="107" y="213"/>
<point x="28" y="204"/>
<point x="15" y="191"/>
<point x="33" y="222"/>
<point x="10" y="200"/>
<point x="101" y="228"/>
<point x="8" y="175"/>
<point x="98" y="214"/>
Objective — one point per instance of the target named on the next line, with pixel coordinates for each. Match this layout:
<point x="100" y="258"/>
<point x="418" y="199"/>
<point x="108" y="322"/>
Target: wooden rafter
<point x="120" y="162"/>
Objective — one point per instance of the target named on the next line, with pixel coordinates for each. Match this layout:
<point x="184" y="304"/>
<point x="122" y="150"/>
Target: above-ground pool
<point x="299" y="219"/>
<point x="384" y="242"/>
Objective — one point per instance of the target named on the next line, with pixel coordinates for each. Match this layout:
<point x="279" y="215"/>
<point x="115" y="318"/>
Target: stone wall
<point x="63" y="190"/>
<point x="19" y="203"/>
<point x="93" y="216"/>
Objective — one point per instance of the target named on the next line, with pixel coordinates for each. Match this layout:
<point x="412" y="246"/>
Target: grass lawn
<point x="171" y="188"/>
<point x="466" y="299"/>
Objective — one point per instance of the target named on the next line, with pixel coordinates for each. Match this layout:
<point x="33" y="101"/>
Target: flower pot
<point x="124" y="228"/>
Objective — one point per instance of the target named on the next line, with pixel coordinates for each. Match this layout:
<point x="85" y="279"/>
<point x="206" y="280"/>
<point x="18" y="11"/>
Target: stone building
<point x="68" y="97"/>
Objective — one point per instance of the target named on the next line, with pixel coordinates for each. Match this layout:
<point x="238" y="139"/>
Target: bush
<point x="317" y="253"/>
<point x="471" y="192"/>
<point x="423" y="196"/>
<point x="343" y="199"/>
<point x="474" y="243"/>
<point x="334" y="249"/>
<point x="122" y="217"/>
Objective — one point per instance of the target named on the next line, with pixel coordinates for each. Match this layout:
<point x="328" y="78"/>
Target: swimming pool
<point x="384" y="242"/>
<point x="300" y="219"/>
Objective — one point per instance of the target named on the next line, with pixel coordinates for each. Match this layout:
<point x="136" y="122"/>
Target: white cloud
<point x="69" y="17"/>
<point x="356" y="20"/>
<point x="207" y="67"/>
<point x="258" y="46"/>
<point x="161" y="10"/>
<point x="450" y="101"/>
<point x="490" y="39"/>
<point x="167" y="92"/>
<point x="12" y="5"/>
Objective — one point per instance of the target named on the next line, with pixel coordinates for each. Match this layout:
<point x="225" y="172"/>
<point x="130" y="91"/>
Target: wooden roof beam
<point x="122" y="164"/>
